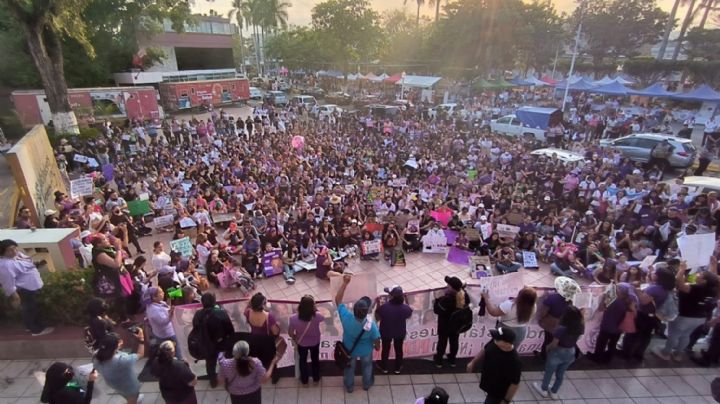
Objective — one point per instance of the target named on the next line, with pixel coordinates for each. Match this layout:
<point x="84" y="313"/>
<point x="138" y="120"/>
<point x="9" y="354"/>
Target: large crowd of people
<point x="318" y="190"/>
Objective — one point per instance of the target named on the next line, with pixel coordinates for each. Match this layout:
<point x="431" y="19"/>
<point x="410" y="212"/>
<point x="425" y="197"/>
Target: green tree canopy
<point x="703" y="44"/>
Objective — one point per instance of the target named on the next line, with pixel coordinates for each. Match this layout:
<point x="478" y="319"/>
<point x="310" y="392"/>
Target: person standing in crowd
<point x="693" y="302"/>
<point x="100" y="323"/>
<point x="707" y="153"/>
<point x="359" y="332"/>
<point x="552" y="308"/>
<point x="23" y="221"/>
<point x="501" y="368"/>
<point x="60" y="387"/>
<point x="454" y="299"/>
<point x="118" y="368"/>
<point x="616" y="317"/>
<point x="514" y="313"/>
<point x="216" y="329"/>
<point x="264" y="325"/>
<point x="21" y="282"/>
<point x="711" y="126"/>
<point x="108" y="263"/>
<point x="159" y="315"/>
<point x="660" y="154"/>
<point x="244" y="375"/>
<point x="177" y="382"/>
<point x="304" y="330"/>
<point x="561" y="352"/>
<point x="393" y="316"/>
<point x="652" y="297"/>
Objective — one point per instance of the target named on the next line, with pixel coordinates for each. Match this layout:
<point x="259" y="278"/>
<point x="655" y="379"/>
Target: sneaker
<point x="554" y="396"/>
<point x="140" y="398"/>
<point x="538" y="389"/>
<point x="677" y="357"/>
<point x="45" y="331"/>
<point x="660" y="354"/>
<point x="381" y="368"/>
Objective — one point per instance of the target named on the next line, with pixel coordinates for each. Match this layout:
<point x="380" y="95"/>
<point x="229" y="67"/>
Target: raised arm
<point x="341" y="291"/>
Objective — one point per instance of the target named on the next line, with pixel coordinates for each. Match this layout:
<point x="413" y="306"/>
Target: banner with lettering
<point x="421" y="339"/>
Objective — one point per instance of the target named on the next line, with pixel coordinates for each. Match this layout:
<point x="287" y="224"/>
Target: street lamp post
<point x="402" y="86"/>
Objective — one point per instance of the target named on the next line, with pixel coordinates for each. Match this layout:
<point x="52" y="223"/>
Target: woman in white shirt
<point x="515" y="313"/>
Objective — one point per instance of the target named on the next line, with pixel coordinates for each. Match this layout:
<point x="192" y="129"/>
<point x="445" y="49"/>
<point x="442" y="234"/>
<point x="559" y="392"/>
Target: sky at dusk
<point x="301" y="9"/>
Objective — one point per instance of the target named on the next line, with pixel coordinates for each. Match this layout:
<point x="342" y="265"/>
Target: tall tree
<point x="669" y="25"/>
<point x="43" y="25"/>
<point x="689" y="15"/>
<point x="703" y="44"/>
<point x="350" y="30"/>
<point x="618" y="28"/>
<point x="419" y="3"/>
<point x="238" y="9"/>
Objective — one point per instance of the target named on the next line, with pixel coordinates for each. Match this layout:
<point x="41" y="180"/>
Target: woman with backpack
<point x="651" y="301"/>
<point x="451" y="310"/>
<point x="693" y="302"/>
<point x="515" y="312"/>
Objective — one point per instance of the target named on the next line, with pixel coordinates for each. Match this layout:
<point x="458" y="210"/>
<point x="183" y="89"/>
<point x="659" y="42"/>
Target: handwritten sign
<point x="506" y="230"/>
<point x="371" y="247"/>
<point x="696" y="249"/>
<point x="92" y="163"/>
<point x="187" y="222"/>
<point x="183" y="246"/>
<point x="413" y="226"/>
<point x="163" y="221"/>
<point x="80" y="158"/>
<point x="529" y="259"/>
<point x="398" y="182"/>
<point x="81" y="187"/>
<point x="272" y="263"/>
<point x="502" y="287"/>
<point x="435" y="242"/>
<point x="222" y="217"/>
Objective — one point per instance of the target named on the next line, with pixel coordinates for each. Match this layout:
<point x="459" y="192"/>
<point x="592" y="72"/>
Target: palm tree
<point x="237" y="11"/>
<point x="709" y="5"/>
<point x="419" y="4"/>
<point x="683" y="29"/>
<point x="668" y="28"/>
<point x="436" y="3"/>
<point x="270" y="15"/>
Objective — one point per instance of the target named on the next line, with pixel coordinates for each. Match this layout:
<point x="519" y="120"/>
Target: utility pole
<point x="572" y="62"/>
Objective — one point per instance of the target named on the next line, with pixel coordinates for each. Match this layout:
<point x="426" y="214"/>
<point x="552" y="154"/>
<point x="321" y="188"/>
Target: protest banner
<point x="163" y="221"/>
<point x="81" y="187"/>
<point x="183" y="246"/>
<point x="451" y="235"/>
<point x="80" y="158"/>
<point x="398" y="182"/>
<point x="144" y="196"/>
<point x="92" y="163"/>
<point x="421" y="336"/>
<point x="459" y="256"/>
<point x="187" y="222"/>
<point x="362" y="284"/>
<point x="371" y="247"/>
<point x="272" y="263"/>
<point x="413" y="226"/>
<point x="435" y="242"/>
<point x="506" y="230"/>
<point x="529" y="259"/>
<point x="696" y="249"/>
<point x="139" y="208"/>
<point x="222" y="217"/>
<point x="486" y="230"/>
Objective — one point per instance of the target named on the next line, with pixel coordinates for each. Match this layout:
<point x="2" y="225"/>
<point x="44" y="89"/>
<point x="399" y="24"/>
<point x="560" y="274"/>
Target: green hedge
<point x="62" y="300"/>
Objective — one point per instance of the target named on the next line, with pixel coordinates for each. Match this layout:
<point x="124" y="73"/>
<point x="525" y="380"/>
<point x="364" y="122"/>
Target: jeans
<point x="366" y="368"/>
<point x="678" y="333"/>
<point x="314" y="358"/>
<point x="555" y="269"/>
<point x="443" y="339"/>
<point x="288" y="272"/>
<point x="558" y="360"/>
<point x="507" y="268"/>
<point x="385" y="354"/>
<point x="29" y="310"/>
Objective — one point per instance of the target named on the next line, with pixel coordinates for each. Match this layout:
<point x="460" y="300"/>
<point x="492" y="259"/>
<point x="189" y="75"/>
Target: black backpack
<point x="461" y="320"/>
<point x="196" y="347"/>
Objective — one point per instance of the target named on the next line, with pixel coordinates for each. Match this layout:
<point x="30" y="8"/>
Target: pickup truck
<point x="530" y="123"/>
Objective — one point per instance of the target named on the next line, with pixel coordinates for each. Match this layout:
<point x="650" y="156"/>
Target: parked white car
<point x="450" y="108"/>
<point x="510" y="125"/>
<point x="323" y="111"/>
<point x="255" y="93"/>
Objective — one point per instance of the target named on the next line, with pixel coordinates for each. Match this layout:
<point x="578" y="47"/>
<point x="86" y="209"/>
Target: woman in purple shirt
<point x="393" y="316"/>
<point x="304" y="329"/>
<point x="264" y="324"/>
<point x="244" y="375"/>
<point x="650" y="298"/>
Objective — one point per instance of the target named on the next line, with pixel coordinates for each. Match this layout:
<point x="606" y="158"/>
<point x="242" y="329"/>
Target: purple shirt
<point x="659" y="295"/>
<point x="393" y="319"/>
<point x="556" y="305"/>
<point x="614" y="315"/>
<point x="240" y="385"/>
<point x="311" y="337"/>
<point x="265" y="328"/>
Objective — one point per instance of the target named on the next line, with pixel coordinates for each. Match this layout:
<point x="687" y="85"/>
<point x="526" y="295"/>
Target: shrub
<point x="62" y="300"/>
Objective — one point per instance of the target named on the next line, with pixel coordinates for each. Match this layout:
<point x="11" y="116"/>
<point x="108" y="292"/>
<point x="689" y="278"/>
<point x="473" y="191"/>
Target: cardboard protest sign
<point x="222" y="217"/>
<point x="80" y="158"/>
<point x="139" y="208"/>
<point x="506" y="230"/>
<point x="435" y="242"/>
<point x="514" y="218"/>
<point x="371" y="247"/>
<point x="92" y="163"/>
<point x="187" y="222"/>
<point x="529" y="259"/>
<point x="413" y="226"/>
<point x="479" y="266"/>
<point x="362" y="284"/>
<point x="163" y="221"/>
<point x="81" y="187"/>
<point x="183" y="246"/>
<point x="272" y="263"/>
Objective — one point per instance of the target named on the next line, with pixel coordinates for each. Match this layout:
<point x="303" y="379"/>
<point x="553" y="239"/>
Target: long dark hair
<point x="306" y="308"/>
<point x="243" y="362"/>
<point x="56" y="377"/>
<point x="108" y="346"/>
<point x="572" y="319"/>
<point x="525" y="304"/>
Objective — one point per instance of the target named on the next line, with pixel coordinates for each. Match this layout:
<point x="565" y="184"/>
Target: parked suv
<point x="637" y="147"/>
<point x="306" y="100"/>
<point x="276" y="98"/>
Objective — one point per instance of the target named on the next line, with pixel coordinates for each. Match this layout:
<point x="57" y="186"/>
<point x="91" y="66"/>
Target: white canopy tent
<point x="418" y="81"/>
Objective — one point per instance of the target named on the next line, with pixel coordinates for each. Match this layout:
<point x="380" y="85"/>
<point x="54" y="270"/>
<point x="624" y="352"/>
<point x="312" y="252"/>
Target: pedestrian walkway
<point x="22" y="381"/>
